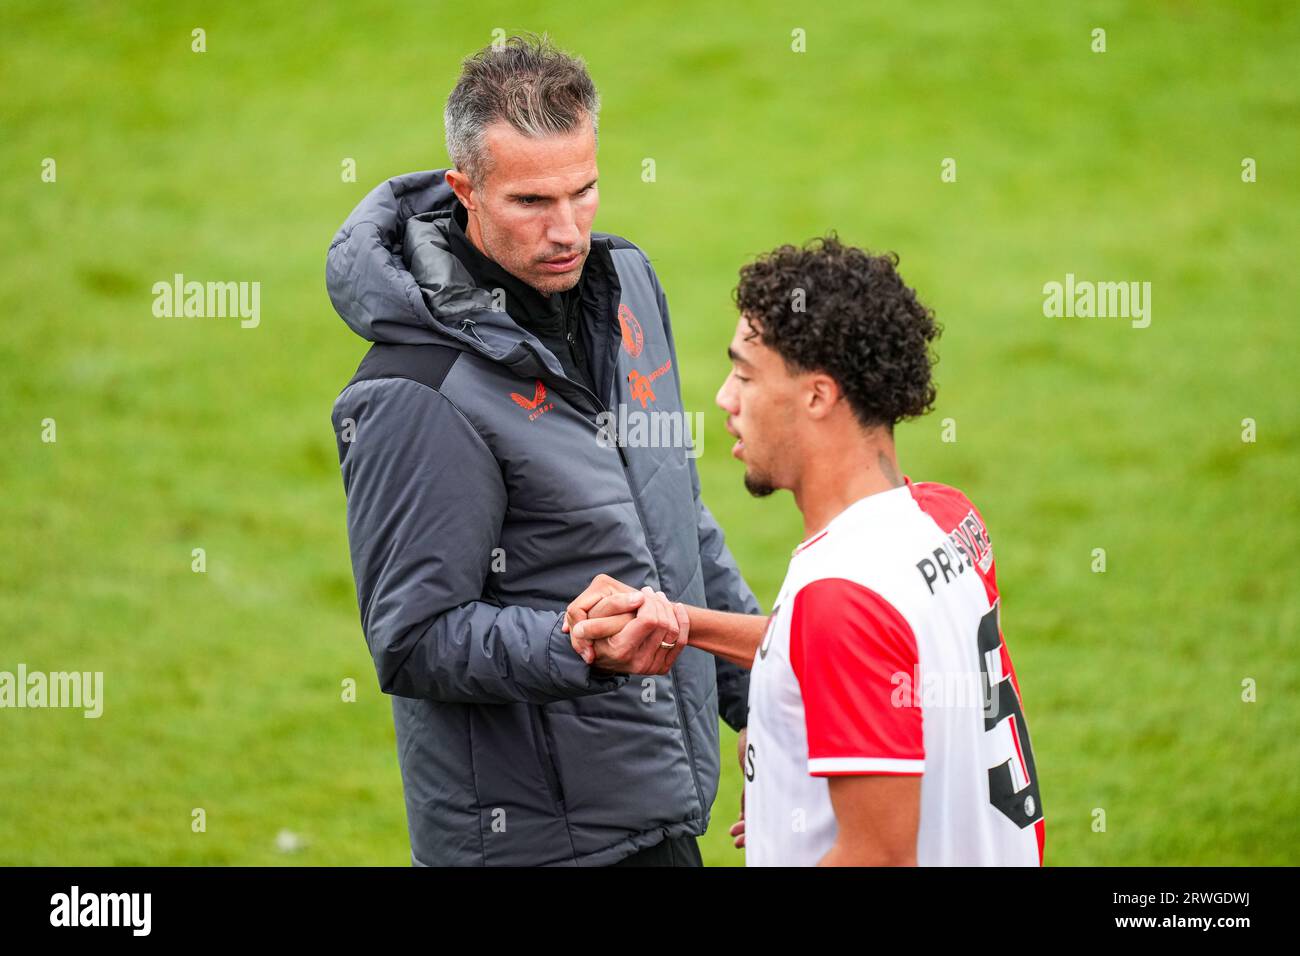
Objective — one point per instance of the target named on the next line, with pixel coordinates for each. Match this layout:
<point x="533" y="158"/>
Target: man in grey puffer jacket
<point x="500" y="448"/>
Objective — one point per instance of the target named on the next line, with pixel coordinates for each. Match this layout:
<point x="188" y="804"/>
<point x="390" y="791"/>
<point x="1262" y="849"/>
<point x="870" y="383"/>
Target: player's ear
<point x="821" y="394"/>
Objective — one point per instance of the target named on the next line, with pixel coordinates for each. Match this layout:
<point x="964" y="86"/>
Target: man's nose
<point x="563" y="230"/>
<point x="724" y="397"/>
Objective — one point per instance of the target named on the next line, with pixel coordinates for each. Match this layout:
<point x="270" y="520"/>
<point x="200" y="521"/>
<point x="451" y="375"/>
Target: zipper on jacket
<point x="544" y="756"/>
<point x="599" y="407"/>
<point x="677" y="697"/>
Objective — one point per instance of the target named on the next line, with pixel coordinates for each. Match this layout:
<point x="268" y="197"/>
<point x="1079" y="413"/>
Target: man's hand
<point x="617" y="601"/>
<point x="649" y="644"/>
<point x="617" y="629"/>
<point x="601" y="587"/>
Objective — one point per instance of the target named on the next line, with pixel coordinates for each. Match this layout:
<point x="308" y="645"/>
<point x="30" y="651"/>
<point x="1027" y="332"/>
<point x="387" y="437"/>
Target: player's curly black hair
<point x="837" y="309"/>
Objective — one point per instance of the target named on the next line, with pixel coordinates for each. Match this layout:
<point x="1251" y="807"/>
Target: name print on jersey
<point x="968" y="545"/>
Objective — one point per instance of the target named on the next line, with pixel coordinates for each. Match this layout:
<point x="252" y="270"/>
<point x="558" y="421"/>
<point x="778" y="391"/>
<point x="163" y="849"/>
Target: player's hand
<point x="737" y="830"/>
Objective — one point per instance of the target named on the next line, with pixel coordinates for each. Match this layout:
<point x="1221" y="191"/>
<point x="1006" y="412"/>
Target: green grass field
<point x="223" y="688"/>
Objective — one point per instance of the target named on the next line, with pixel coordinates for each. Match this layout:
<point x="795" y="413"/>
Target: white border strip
<point x="864" y="765"/>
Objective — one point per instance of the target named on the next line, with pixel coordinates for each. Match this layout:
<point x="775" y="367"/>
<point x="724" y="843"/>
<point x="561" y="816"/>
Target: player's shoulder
<point x="846" y="605"/>
<point x="950" y="507"/>
<point x="935" y="497"/>
<point x="957" y="516"/>
<point x="863" y="548"/>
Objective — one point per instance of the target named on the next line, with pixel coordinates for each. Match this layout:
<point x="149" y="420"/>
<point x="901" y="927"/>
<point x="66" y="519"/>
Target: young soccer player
<point x="885" y="721"/>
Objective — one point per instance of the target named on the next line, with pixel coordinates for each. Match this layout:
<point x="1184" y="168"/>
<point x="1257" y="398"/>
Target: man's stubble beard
<point x="561" y="283"/>
<point x="760" y="486"/>
<point x="550" y="284"/>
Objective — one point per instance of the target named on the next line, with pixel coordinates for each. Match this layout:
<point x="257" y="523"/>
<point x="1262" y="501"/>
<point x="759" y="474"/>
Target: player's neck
<point x="840" y="476"/>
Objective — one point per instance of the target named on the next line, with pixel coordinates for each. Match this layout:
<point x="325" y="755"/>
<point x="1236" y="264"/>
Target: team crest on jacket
<point x="633" y="337"/>
<point x="535" y="406"/>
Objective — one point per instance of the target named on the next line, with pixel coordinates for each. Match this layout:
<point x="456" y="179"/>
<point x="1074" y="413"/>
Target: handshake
<point x="619" y="630"/>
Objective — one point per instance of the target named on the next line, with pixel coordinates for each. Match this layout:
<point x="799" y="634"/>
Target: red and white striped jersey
<point x="884" y="655"/>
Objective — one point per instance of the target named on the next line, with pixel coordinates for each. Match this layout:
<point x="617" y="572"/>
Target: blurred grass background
<point x="223" y="689"/>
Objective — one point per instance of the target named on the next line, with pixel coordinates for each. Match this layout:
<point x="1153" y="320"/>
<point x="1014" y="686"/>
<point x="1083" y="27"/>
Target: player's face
<point x="759" y="397"/>
<point x="533" y="210"/>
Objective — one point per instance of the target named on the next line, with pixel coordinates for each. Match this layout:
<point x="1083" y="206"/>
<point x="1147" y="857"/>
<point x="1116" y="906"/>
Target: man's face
<point x="760" y="397"/>
<point x="533" y="210"/>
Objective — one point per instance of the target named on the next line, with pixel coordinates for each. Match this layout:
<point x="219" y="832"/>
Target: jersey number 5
<point x="1015" y="794"/>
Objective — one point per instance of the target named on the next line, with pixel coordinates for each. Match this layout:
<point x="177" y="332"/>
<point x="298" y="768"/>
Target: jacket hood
<point x="392" y="277"/>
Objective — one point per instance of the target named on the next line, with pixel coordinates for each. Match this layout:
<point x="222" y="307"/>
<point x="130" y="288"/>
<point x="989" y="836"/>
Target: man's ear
<point x="821" y="395"/>
<point x="460" y="185"/>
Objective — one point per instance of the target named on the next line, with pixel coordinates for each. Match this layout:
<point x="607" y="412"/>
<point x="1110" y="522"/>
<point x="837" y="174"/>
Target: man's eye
<point x="526" y="200"/>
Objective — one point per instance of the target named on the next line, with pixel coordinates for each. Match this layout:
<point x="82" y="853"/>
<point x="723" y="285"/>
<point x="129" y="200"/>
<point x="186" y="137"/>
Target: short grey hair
<point x="525" y="81"/>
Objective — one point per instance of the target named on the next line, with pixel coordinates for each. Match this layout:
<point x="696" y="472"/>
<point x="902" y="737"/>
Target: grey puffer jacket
<point x="485" y="490"/>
